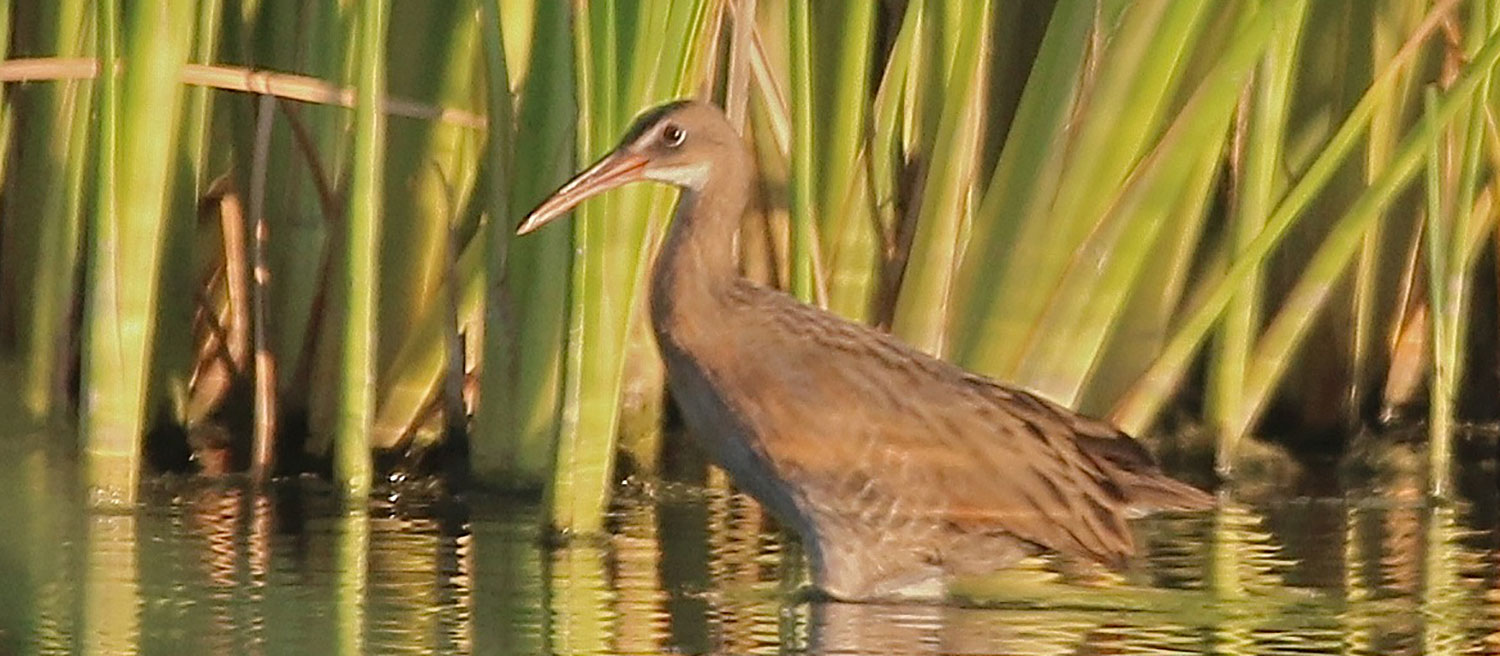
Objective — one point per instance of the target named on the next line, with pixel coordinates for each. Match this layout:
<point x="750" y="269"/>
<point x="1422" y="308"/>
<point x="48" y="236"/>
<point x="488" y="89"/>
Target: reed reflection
<point x="511" y="613"/>
<point x="581" y="600"/>
<point x="110" y="623"/>
<point x="39" y="550"/>
<point x="405" y="580"/>
<point x="219" y="566"/>
<point x="640" y="606"/>
<point x="351" y="580"/>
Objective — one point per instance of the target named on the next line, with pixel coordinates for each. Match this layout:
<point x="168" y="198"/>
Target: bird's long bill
<point x="615" y="169"/>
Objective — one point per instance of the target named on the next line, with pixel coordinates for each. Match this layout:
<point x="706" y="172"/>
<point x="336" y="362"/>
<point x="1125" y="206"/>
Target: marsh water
<point x="1354" y="560"/>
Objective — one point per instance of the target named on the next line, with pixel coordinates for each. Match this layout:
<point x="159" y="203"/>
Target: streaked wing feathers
<point x="868" y="419"/>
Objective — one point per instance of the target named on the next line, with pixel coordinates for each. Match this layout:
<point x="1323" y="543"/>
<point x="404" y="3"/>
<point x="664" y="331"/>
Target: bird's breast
<point x="713" y="412"/>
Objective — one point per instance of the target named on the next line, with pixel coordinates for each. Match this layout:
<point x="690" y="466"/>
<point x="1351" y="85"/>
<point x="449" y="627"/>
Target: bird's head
<point x="681" y="143"/>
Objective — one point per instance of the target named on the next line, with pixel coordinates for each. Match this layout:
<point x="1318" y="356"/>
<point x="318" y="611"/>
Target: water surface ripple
<point x="204" y="566"/>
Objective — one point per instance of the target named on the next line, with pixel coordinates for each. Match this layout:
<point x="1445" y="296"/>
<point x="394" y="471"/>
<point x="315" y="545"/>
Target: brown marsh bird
<point x="897" y="470"/>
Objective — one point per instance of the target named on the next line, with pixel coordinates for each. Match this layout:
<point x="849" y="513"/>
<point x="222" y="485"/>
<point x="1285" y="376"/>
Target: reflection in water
<point x="352" y="579"/>
<point x="839" y="628"/>
<point x="580" y="600"/>
<point x="111" y="594"/>
<point x="639" y="601"/>
<point x="510" y="614"/>
<point x="204" y="566"/>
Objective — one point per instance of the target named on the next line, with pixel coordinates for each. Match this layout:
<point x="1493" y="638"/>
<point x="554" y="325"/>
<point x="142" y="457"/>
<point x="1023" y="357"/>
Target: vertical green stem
<point x="173" y="349"/>
<point x="130" y="222"/>
<point x="850" y="243"/>
<point x="498" y="400"/>
<point x="1382" y="249"/>
<point x="1142" y="401"/>
<point x="1440" y="404"/>
<point x="1260" y="149"/>
<point x="579" y="491"/>
<point x="802" y="184"/>
<point x="1452" y="183"/>
<point x="922" y="315"/>
<point x="519" y="453"/>
<point x="262" y="463"/>
<point x="1025" y="178"/>
<point x="359" y="278"/>
<point x="42" y="207"/>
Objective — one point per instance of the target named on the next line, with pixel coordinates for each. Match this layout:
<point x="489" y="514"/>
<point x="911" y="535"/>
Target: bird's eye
<point x="673" y="136"/>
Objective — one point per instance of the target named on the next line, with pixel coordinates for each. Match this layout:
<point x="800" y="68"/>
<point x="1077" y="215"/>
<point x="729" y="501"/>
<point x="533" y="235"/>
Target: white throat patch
<point x="687" y="175"/>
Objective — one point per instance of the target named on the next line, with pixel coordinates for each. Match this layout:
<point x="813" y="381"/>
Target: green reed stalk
<point x="1323" y="272"/>
<point x="886" y="145"/>
<point x="1024" y="179"/>
<point x="498" y="405"/>
<point x="1260" y="148"/>
<point x="1139" y="405"/>
<point x="850" y="244"/>
<point x="883" y="163"/>
<point x="359" y="278"/>
<point x="416" y="370"/>
<point x="130" y="223"/>
<point x="1139" y="327"/>
<point x="519" y="453"/>
<point x="803" y="174"/>
<point x="1069" y="337"/>
<point x="1438" y="227"/>
<point x="580" y="483"/>
<point x="1382" y="260"/>
<point x="198" y="123"/>
<point x="306" y="227"/>
<point x="173" y="349"/>
<point x="1126" y="94"/>
<point x="430" y="172"/>
<point x="432" y="168"/>
<point x="1451" y="259"/>
<point x="610" y="233"/>
<point x="44" y="220"/>
<point x="1326" y="268"/>
<point x="921" y="316"/>
<point x="670" y="71"/>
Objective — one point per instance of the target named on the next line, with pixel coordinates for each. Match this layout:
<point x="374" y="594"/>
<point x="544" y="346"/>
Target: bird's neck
<point x="697" y="259"/>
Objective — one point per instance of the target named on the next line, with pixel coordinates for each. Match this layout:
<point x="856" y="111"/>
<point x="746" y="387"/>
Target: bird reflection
<point x="873" y="629"/>
<point x="841" y="628"/>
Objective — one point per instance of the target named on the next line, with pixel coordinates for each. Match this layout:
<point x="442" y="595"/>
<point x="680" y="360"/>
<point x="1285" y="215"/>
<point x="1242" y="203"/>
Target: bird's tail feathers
<point x="1150" y="493"/>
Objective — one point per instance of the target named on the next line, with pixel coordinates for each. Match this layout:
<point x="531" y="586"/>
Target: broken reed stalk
<point x="246" y="80"/>
<point x="223" y="350"/>
<point x="262" y="462"/>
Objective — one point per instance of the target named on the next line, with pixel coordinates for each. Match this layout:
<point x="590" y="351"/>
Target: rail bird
<point x="898" y="471"/>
